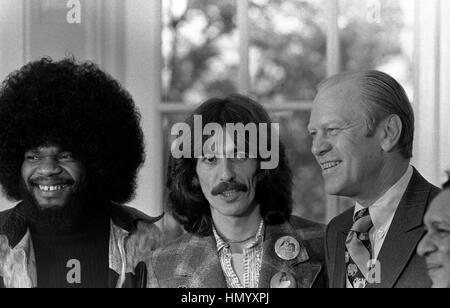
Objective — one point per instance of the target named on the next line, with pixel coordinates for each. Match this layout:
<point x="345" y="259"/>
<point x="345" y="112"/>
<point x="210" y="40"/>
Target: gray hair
<point x="383" y="96"/>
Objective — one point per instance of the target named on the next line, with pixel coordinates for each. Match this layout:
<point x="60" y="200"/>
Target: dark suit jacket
<point x="192" y="261"/>
<point x="401" y="267"/>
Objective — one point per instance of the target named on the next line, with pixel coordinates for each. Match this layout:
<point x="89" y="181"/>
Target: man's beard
<point x="66" y="218"/>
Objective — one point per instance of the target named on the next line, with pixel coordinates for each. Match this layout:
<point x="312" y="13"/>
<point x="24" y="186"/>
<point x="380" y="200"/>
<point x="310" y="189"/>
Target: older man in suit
<point x="236" y="209"/>
<point x="362" y="125"/>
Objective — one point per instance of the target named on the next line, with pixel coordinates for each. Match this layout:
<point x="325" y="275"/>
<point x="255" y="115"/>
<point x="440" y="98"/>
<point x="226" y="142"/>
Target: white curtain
<point x="432" y="89"/>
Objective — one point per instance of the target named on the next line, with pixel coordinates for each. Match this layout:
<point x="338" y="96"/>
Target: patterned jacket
<point x="192" y="261"/>
<point x="132" y="237"/>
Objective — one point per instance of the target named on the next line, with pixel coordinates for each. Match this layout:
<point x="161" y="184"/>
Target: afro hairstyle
<point x="79" y="108"/>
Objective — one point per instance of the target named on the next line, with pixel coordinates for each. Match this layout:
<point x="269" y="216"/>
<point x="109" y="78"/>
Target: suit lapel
<point x="304" y="272"/>
<point x="405" y="232"/>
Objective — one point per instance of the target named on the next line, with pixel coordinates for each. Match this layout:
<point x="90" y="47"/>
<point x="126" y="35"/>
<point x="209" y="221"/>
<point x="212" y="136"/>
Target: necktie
<point x="359" y="249"/>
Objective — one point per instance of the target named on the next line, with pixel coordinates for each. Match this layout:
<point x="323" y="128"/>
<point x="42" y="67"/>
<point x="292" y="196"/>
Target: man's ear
<point x="392" y="128"/>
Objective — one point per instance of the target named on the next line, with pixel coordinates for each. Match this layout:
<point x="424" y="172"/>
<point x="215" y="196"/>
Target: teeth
<point x="51" y="188"/>
<point x="330" y="165"/>
<point x="229" y="193"/>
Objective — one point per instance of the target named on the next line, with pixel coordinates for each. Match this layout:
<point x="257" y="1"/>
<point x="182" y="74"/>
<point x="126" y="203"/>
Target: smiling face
<point x="351" y="161"/>
<point x="51" y="176"/>
<point x="435" y="246"/>
<point x="228" y="183"/>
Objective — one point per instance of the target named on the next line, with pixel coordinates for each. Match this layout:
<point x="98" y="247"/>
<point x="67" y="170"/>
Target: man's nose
<point x="426" y="246"/>
<point x="320" y="145"/>
<point x="226" y="170"/>
<point x="49" y="166"/>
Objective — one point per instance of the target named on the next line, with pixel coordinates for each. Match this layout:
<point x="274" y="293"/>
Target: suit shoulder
<point x="299" y="223"/>
<point x="131" y="213"/>
<point x="127" y="217"/>
<point x="11" y="219"/>
<point x="5" y="222"/>
<point x="420" y="183"/>
<point x="434" y="191"/>
<point x="4" y="215"/>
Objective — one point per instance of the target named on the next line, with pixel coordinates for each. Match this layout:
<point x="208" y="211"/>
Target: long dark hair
<point x="273" y="188"/>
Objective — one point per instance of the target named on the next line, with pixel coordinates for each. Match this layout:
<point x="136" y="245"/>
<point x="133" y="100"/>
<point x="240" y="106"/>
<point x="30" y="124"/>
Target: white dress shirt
<point x="383" y="211"/>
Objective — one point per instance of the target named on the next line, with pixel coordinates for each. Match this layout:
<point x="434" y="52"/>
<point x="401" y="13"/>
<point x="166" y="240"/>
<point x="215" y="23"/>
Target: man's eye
<point x="333" y="131"/>
<point x="66" y="156"/>
<point x="440" y="229"/>
<point x="443" y="231"/>
<point x="32" y="157"/>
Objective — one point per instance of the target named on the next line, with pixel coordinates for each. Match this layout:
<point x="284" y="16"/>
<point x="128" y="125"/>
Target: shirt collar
<point x="258" y="240"/>
<point x="383" y="210"/>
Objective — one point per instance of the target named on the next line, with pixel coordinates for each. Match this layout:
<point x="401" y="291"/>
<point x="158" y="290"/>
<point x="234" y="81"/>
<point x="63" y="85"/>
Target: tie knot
<point x="362" y="221"/>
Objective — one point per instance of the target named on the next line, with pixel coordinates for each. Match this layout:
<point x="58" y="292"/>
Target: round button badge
<point x="283" y="280"/>
<point x="287" y="248"/>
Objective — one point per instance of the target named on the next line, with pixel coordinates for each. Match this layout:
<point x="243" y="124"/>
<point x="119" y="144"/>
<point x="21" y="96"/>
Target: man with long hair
<point x="71" y="145"/>
<point x="235" y="206"/>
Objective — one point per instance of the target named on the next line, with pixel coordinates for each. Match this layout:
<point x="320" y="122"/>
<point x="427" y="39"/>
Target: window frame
<point x="334" y="205"/>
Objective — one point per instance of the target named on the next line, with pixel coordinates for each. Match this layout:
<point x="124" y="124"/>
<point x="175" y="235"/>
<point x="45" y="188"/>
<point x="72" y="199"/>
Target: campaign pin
<point x="287" y="248"/>
<point x="283" y="280"/>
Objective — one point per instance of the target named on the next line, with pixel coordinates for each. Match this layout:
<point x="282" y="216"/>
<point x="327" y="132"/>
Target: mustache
<point x="227" y="186"/>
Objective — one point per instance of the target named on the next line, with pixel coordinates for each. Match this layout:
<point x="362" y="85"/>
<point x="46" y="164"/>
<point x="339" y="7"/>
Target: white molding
<point x="244" y="43"/>
<point x="93" y="33"/>
<point x="427" y="87"/>
<point x="26" y="31"/>
<point x="13" y="46"/>
<point x="333" y="42"/>
<point x="143" y="20"/>
<point x="445" y="92"/>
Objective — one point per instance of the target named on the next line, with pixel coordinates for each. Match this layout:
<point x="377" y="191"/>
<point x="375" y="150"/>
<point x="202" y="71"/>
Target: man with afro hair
<point x="71" y="146"/>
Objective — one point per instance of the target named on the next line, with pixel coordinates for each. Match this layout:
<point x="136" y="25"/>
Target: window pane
<point x="378" y="34"/>
<point x="200" y="49"/>
<point x="308" y="191"/>
<point x="288" y="48"/>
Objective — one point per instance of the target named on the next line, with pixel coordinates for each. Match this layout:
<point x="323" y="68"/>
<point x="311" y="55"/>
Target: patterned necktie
<point x="359" y="249"/>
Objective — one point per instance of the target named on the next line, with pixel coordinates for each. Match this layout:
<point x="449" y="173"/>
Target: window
<point x="278" y="51"/>
<point x="200" y="49"/>
<point x="287" y="49"/>
<point x="378" y="34"/>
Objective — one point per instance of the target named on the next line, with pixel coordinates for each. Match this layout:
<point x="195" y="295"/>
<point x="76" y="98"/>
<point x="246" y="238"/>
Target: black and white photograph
<point x="210" y="145"/>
